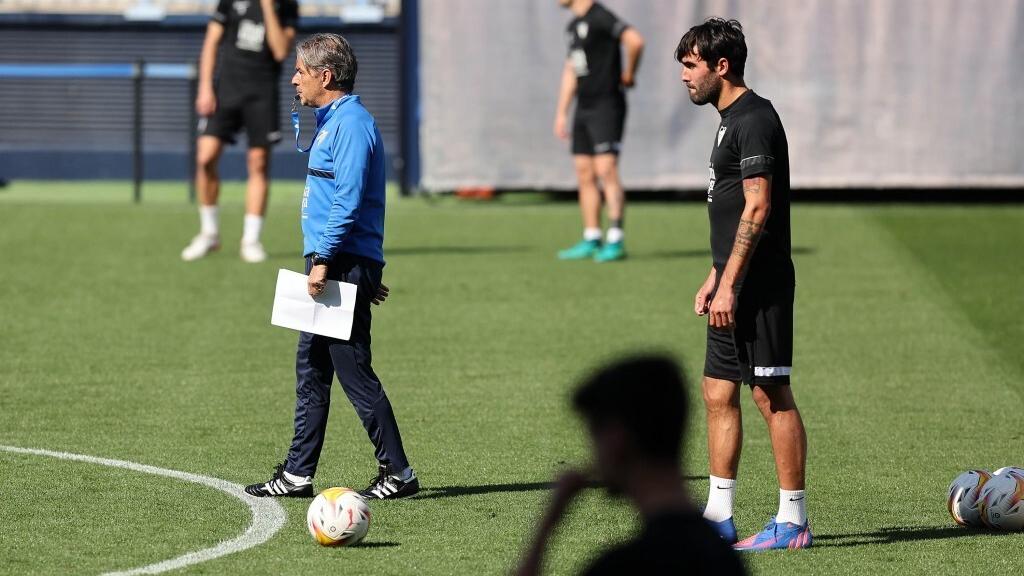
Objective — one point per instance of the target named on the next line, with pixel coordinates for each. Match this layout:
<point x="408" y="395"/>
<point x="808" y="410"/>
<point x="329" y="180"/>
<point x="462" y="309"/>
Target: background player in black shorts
<point x="595" y="76"/>
<point x="253" y="37"/>
<point x="748" y="294"/>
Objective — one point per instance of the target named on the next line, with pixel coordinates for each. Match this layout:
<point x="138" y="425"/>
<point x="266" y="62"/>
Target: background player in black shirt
<point x="636" y="413"/>
<point x="748" y="294"/>
<point x="594" y="74"/>
<point x="253" y="38"/>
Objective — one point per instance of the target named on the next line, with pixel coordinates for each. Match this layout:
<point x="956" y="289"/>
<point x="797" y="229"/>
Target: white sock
<point x="591" y="234"/>
<point x="252" y="228"/>
<point x="297" y="480"/>
<point x="208" y="220"/>
<point x="792" y="507"/>
<point x="405" y="475"/>
<point x="720" y="493"/>
<point x="614" y="235"/>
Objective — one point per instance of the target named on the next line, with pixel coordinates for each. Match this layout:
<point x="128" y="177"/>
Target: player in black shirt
<point x="748" y="294"/>
<point x="253" y="37"/>
<point x="594" y="74"/>
<point x="636" y="413"/>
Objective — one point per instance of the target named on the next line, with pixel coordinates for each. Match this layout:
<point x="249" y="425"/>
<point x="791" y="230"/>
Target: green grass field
<point x="908" y="371"/>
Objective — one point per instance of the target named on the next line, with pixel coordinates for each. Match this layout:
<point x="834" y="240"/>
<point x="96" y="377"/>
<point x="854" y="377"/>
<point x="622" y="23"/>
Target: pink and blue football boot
<point x="785" y="536"/>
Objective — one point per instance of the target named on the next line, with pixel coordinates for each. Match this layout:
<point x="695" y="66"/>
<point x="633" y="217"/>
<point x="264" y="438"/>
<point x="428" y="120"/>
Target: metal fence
<point x="60" y="121"/>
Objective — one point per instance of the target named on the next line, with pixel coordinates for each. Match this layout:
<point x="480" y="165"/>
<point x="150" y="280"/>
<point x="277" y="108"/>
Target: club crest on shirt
<point x="582" y="29"/>
<point x="240" y="6"/>
<point x="721" y="134"/>
<point x="711" y="181"/>
<point x="321" y="137"/>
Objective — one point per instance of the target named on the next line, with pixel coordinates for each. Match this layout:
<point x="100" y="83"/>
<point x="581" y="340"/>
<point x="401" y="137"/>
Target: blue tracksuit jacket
<point x="343" y="201"/>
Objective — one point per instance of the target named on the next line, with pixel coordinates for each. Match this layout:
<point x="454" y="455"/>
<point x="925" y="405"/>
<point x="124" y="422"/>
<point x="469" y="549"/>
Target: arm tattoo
<point x="751" y="226"/>
<point x="749" y="231"/>
<point x="747" y="235"/>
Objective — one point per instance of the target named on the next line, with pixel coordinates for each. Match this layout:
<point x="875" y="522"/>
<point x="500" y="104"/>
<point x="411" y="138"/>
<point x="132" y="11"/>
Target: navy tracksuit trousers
<point x="319" y="358"/>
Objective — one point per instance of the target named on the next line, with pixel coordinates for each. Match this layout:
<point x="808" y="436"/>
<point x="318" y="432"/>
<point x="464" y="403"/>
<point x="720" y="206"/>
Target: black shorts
<point x="759" y="351"/>
<point x="252" y="105"/>
<point x="597" y="127"/>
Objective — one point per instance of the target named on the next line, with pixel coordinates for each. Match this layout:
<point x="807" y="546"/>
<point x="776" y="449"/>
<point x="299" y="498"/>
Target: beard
<point x="707" y="92"/>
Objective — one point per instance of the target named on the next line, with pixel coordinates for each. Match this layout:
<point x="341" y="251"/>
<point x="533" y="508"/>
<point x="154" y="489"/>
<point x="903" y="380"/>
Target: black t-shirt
<point x="751" y="142"/>
<point x="244" y="54"/>
<point x="595" y="55"/>
<point x="677" y="543"/>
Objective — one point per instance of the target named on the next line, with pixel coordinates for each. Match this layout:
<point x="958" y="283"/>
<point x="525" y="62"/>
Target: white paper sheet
<point x="329" y="314"/>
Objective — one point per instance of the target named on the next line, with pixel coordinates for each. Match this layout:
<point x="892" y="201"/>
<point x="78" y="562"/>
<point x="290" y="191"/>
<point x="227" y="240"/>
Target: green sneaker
<point x="611" y="252"/>
<point x="582" y="250"/>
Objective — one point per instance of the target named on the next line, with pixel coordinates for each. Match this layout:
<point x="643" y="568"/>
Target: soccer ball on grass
<point x="1001" y="502"/>
<point x="962" y="502"/>
<point x="338" y="517"/>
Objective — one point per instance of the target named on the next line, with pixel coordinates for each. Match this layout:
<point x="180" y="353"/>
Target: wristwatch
<point x="319" y="260"/>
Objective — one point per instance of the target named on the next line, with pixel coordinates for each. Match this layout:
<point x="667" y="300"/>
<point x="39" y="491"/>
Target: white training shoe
<point x="253" y="252"/>
<point x="200" y="246"/>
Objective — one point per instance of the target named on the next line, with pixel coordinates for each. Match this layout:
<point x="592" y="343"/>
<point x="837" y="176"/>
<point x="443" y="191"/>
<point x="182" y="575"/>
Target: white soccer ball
<point x="962" y="502"/>
<point x="1001" y="502"/>
<point x="338" y="517"/>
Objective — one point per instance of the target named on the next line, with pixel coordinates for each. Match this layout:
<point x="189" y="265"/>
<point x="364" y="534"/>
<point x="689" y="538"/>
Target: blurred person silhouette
<point x="635" y="411"/>
<point x="252" y="37"/>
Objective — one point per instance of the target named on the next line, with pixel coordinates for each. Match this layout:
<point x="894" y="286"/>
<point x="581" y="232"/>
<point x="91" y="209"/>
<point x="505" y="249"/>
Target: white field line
<point x="267" y="515"/>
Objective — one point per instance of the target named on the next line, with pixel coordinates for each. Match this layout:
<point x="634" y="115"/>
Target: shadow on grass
<point x="294" y="257"/>
<point x="704" y="253"/>
<point x="456" y="491"/>
<point x="458" y="250"/>
<point x="895" y="534"/>
<point x="673" y="254"/>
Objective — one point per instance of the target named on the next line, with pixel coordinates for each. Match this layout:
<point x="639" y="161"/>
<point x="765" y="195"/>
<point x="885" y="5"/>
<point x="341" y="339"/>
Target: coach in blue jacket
<point x="343" y="236"/>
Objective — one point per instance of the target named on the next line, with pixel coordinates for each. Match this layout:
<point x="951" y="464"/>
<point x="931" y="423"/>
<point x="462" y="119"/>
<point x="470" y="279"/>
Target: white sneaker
<point x="253" y="252"/>
<point x="200" y="246"/>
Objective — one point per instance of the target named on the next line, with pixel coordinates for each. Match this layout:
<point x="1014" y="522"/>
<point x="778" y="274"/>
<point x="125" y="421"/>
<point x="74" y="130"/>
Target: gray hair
<point x="330" y="52"/>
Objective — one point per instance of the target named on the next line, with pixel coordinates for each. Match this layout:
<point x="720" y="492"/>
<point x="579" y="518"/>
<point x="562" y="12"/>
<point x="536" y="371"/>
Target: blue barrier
<point x="136" y="71"/>
<point x="67" y="70"/>
<point x="169" y="71"/>
<point x="166" y="71"/>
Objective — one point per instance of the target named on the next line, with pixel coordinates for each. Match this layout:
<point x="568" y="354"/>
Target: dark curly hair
<point x="716" y="38"/>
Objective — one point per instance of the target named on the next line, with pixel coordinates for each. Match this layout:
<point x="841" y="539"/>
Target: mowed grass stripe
<point x="485" y="335"/>
<point x="974" y="253"/>
<point x="899" y="399"/>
